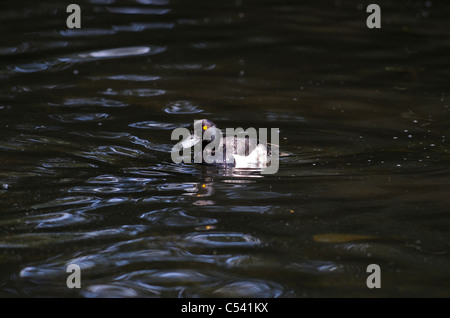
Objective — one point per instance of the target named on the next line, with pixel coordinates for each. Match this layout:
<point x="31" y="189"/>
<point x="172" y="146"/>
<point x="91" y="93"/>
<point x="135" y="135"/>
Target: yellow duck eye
<point x="205" y="127"/>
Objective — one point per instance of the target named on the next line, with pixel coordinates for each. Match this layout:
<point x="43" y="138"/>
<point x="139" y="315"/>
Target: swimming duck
<point x="245" y="153"/>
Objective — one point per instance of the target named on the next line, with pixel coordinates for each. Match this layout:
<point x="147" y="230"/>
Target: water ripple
<point x="64" y="62"/>
<point x="34" y="272"/>
<point x="83" y="32"/>
<point x="249" y="289"/>
<point x="223" y="239"/>
<point x="132" y="77"/>
<point x="111" y="153"/>
<point x="171" y="168"/>
<point x="175" y="217"/>
<point x="139" y="92"/>
<point x="79" y="117"/>
<point x="111" y="179"/>
<point x="115" y="53"/>
<point x="114" y="290"/>
<point x="155" y="125"/>
<point x="32" y="67"/>
<point x="136" y="10"/>
<point x="187" y="67"/>
<point x="69" y="200"/>
<point x="146" y="172"/>
<point x="94" y="101"/>
<point x="190" y="187"/>
<point x="108" y="184"/>
<point x="11" y="50"/>
<point x="61" y="219"/>
<point x="36" y="240"/>
<point x="170" y="277"/>
<point x="284" y="118"/>
<point x="61" y="163"/>
<point x="120" y="188"/>
<point x="182" y="107"/>
<point x="154" y="2"/>
<point x="137" y="27"/>
<point x="120" y="52"/>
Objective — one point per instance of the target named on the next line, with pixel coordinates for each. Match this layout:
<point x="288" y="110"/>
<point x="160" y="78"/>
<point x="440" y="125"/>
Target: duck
<point x="246" y="151"/>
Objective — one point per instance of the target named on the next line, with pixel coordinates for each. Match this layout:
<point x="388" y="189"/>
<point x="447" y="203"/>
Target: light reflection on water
<point x="86" y="176"/>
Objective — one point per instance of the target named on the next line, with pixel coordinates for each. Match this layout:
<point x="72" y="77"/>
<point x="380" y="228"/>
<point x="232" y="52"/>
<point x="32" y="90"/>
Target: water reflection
<point x="135" y="10"/>
<point x="138" y="27"/>
<point x="132" y="77"/>
<point x="143" y="92"/>
<point x="154" y="125"/>
<point x="77" y="117"/>
<point x="175" y="217"/>
<point x="95" y="101"/>
<point x="84" y="32"/>
<point x="249" y="289"/>
<point x="182" y="107"/>
<point x="119" y="52"/>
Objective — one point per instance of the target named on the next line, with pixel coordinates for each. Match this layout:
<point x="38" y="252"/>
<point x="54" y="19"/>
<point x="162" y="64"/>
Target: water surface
<point x="87" y="178"/>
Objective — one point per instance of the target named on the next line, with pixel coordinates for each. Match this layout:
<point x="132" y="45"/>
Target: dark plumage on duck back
<point x="243" y="148"/>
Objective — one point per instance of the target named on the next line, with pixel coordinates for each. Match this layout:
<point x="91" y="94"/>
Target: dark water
<point x="86" y="175"/>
